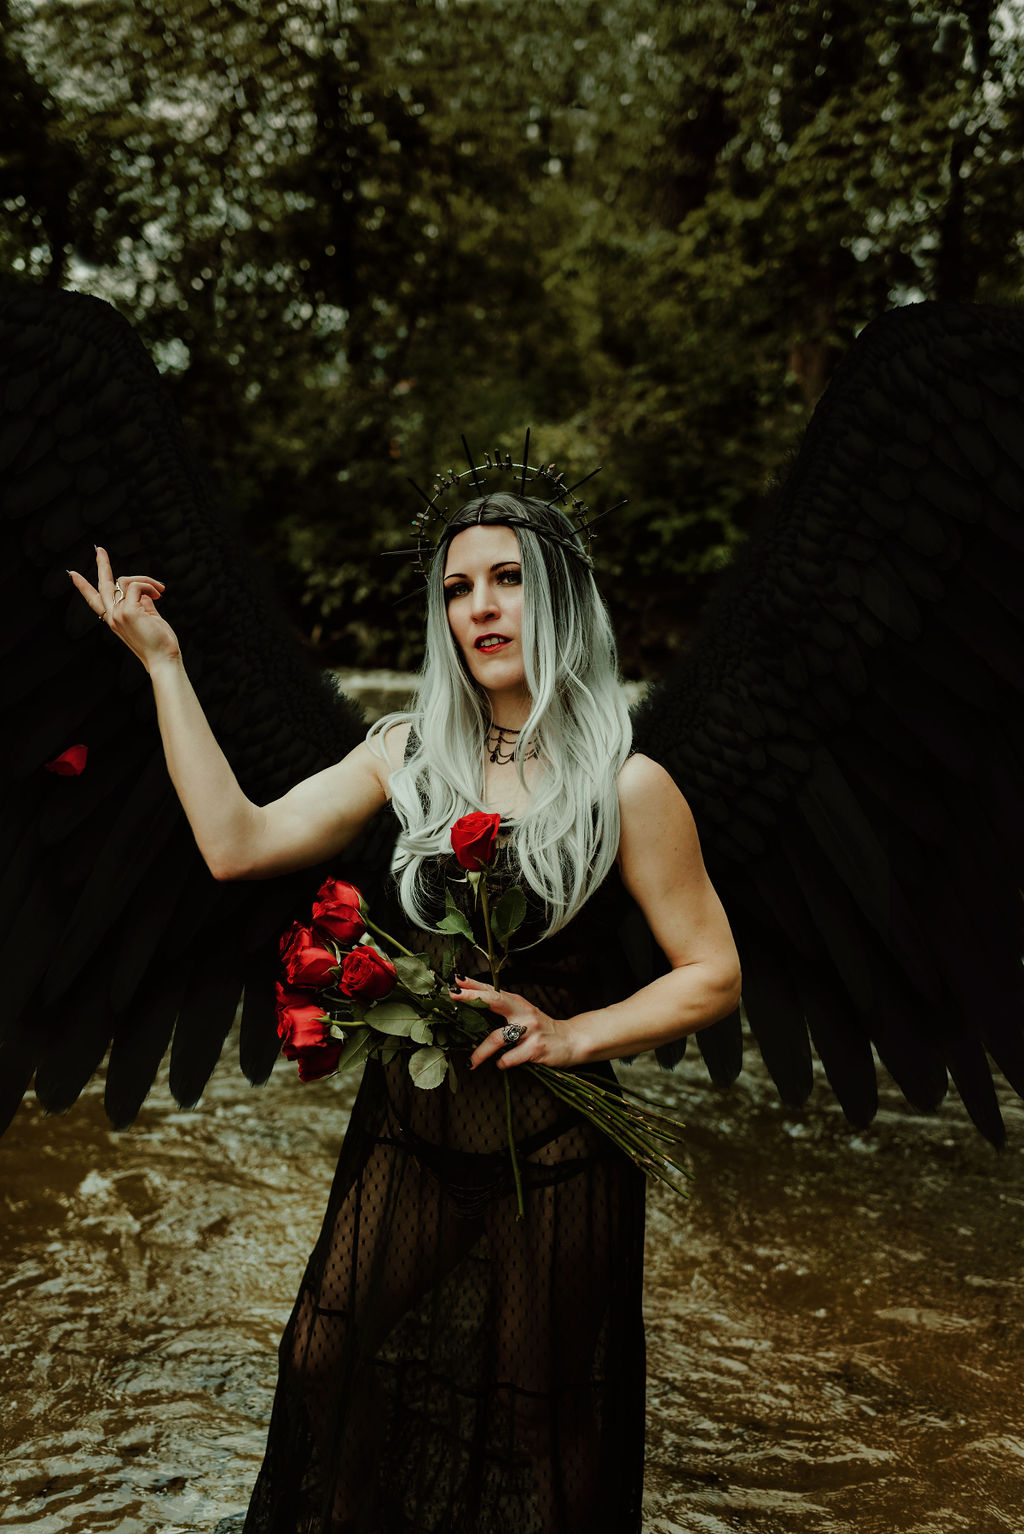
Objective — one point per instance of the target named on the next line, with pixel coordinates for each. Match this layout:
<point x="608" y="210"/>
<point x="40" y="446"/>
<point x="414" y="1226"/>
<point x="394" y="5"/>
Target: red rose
<point x="337" y="909"/>
<point x="475" y="840"/>
<point x="303" y="1030"/>
<point x="305" y="962"/>
<point x="315" y="1063"/>
<point x="70" y="762"/>
<point x="366" y="974"/>
<point x="301" y="1023"/>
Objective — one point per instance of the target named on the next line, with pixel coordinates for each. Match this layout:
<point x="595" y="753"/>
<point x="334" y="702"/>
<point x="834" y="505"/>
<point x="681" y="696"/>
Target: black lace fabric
<point x="449" y="1368"/>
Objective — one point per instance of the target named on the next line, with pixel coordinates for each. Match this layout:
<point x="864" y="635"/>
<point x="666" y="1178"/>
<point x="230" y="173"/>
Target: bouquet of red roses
<point x="352" y="990"/>
<point x="345" y="996"/>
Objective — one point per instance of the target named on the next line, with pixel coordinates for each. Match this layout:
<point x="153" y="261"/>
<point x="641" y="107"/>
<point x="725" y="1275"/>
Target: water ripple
<point x="834" y="1319"/>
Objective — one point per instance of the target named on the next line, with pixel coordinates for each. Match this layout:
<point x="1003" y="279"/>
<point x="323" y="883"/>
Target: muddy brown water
<point x="834" y="1324"/>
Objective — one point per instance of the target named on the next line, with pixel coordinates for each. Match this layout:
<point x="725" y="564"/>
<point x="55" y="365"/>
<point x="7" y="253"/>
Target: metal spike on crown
<point x="452" y="489"/>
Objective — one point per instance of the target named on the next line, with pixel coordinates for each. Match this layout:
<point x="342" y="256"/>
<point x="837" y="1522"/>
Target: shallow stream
<point x="834" y="1319"/>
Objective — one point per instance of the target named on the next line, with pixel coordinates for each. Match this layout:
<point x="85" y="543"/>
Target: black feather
<point x="876" y="615"/>
<point x="111" y="913"/>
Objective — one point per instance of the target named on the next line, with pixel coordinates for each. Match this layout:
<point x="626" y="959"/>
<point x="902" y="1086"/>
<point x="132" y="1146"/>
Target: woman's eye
<point x="501" y="578"/>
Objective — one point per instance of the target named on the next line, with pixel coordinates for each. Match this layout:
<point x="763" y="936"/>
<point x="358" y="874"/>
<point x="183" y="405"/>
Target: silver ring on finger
<point x="513" y="1032"/>
<point x="118" y="593"/>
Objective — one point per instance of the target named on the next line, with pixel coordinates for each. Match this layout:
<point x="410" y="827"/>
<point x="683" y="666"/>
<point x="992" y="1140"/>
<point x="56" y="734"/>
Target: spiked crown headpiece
<point x="542" y="482"/>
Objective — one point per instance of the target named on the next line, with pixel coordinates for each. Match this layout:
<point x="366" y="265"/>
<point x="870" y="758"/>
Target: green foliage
<point x="428" y="1067"/>
<point x="394" y="1017"/>
<point x="356" y="1049"/>
<point x="348" y="233"/>
<point x="509" y="914"/>
<point x="454" y="921"/>
<point x="414" y="974"/>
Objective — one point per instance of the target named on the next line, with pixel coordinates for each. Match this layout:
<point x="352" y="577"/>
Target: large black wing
<point x="848" y="728"/>
<point x="112" y="930"/>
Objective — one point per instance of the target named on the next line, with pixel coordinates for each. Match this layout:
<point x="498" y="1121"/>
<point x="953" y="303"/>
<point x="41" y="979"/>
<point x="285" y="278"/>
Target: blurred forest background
<point x="348" y="232"/>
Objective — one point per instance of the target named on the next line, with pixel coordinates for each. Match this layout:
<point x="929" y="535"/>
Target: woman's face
<point x="484" y="596"/>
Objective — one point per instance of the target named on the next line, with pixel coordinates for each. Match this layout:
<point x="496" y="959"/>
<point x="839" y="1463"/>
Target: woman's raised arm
<point x="238" y="839"/>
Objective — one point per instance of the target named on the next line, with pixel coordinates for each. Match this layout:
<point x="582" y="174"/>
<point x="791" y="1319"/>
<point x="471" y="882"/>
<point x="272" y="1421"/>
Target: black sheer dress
<point x="449" y="1369"/>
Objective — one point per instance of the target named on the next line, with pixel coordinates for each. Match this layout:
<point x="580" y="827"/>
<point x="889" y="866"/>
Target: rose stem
<point x="484" y="901"/>
<point x="388" y="938"/>
<point x="512" y="1149"/>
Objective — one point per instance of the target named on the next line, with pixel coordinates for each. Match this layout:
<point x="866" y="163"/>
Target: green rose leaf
<point x="357" y="1047"/>
<point x="508" y="914"/>
<point x="421" y="1032"/>
<point x="471" y="1017"/>
<point x="427" y="1068"/>
<point x="393" y="1017"/>
<point x="414" y="974"/>
<point x="456" y="922"/>
<point x="388" y="1052"/>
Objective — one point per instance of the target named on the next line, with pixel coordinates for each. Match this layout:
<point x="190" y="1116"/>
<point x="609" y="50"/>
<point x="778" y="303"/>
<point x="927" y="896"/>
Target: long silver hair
<point x="566" y="840"/>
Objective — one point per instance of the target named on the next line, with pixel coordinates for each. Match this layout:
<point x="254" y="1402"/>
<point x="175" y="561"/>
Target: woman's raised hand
<point x="127" y="606"/>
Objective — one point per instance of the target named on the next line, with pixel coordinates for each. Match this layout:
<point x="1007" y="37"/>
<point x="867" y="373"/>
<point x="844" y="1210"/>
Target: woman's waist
<point x="473" y="1120"/>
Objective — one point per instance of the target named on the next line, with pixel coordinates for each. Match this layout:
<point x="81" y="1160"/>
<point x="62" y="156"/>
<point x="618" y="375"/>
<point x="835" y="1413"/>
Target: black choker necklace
<point x="503" y="748"/>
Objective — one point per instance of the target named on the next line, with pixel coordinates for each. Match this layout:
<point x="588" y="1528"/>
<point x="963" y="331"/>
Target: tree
<point x="348" y="232"/>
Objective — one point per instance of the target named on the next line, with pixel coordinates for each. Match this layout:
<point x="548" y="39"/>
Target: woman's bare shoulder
<point x="641" y="779"/>
<point x="390" y="749"/>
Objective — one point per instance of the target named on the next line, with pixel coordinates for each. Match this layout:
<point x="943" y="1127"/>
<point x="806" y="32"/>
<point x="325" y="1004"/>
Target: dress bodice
<point x="462" y="1136"/>
<point x="601" y="955"/>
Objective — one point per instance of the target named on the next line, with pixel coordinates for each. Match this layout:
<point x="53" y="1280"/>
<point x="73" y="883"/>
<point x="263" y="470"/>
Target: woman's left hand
<point x="545" y="1041"/>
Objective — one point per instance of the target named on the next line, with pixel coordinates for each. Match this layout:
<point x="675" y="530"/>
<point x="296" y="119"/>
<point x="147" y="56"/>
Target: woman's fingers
<point x="492" y="1045"/>
<point x="104" y="577"/>
<point x="108" y="584"/>
<point x="104" y="598"/>
<point x="127" y="604"/>
<point x="485" y="989"/>
<point x="139" y="586"/>
<point x="510" y="1006"/>
<point x="543" y="1040"/>
<point x="87" y="591"/>
<point x="476" y="990"/>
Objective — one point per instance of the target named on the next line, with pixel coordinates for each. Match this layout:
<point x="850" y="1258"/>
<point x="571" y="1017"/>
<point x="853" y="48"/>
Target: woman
<point x="448" y="1367"/>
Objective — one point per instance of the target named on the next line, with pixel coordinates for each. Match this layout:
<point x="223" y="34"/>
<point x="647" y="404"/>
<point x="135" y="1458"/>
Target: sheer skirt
<point x="449" y="1368"/>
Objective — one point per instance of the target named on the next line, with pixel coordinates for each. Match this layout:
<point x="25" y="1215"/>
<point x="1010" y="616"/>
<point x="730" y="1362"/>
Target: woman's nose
<point x="484" y="602"/>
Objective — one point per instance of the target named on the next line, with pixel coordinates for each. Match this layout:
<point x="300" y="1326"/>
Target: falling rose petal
<point x="70" y="762"/>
